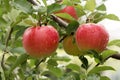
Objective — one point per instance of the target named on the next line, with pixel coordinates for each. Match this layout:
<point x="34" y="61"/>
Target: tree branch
<point x="32" y="2"/>
<point x="59" y="21"/>
<point x="6" y="44"/>
<point x="116" y="56"/>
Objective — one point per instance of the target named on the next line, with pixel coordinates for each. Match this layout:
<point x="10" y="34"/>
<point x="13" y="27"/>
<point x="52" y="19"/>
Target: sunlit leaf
<point x="101" y="7"/>
<point x="73" y="67"/>
<point x="107" y="53"/>
<point x="45" y="3"/>
<point x="60" y="58"/>
<point x="79" y="10"/>
<point x="54" y="8"/>
<point x="72" y="76"/>
<point x="114" y="42"/>
<point x="104" y="78"/>
<point x="55" y="70"/>
<point x="112" y="17"/>
<point x="67" y="2"/>
<point x="100" y="69"/>
<point x="18" y="50"/>
<point x="19" y="60"/>
<point x="23" y="5"/>
<point x="90" y="5"/>
<point x="65" y="16"/>
<point x="93" y="77"/>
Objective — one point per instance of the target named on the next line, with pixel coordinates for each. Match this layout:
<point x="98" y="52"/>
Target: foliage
<point x="17" y="15"/>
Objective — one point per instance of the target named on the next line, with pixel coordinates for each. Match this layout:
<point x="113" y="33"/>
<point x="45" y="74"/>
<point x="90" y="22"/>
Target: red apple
<point x="69" y="10"/>
<point x="71" y="47"/>
<point x="91" y="36"/>
<point x="40" y="41"/>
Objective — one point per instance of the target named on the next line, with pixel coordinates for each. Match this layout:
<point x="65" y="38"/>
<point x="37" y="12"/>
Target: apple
<point x="91" y="36"/>
<point x="70" y="46"/>
<point x="69" y="10"/>
<point x="40" y="41"/>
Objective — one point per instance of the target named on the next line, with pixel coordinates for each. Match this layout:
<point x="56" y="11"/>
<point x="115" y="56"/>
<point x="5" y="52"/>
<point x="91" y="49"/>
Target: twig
<point x="32" y="2"/>
<point x="37" y="65"/>
<point x="5" y="50"/>
<point x="59" y="21"/>
<point x="116" y="56"/>
<point x="62" y="38"/>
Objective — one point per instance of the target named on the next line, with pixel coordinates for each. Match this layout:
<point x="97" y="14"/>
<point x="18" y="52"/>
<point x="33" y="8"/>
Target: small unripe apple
<point x="70" y="46"/>
<point x="69" y="10"/>
<point x="40" y="41"/>
<point x="91" y="36"/>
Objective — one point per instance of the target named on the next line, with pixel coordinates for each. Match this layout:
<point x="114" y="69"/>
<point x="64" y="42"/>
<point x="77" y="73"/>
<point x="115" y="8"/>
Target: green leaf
<point x="112" y="17"/>
<point x="67" y="2"/>
<point x="65" y="16"/>
<point x="52" y="62"/>
<point x="20" y="59"/>
<point x="101" y="7"/>
<point x="41" y="10"/>
<point x="98" y="16"/>
<point x="71" y="2"/>
<point x="100" y="69"/>
<point x="62" y="58"/>
<point x="11" y="16"/>
<point x="71" y="76"/>
<point x="18" y="50"/>
<point x="55" y="70"/>
<point x="10" y="60"/>
<point x="104" y="78"/>
<point x="90" y="5"/>
<point x="114" y="42"/>
<point x="45" y="3"/>
<point x="79" y="10"/>
<point x="73" y="67"/>
<point x="19" y="32"/>
<point x="5" y="6"/>
<point x="21" y="74"/>
<point x="72" y="27"/>
<point x="23" y="5"/>
<point x="54" y="8"/>
<point x="107" y="53"/>
<point x="19" y="18"/>
<point x="93" y="77"/>
<point x="84" y="62"/>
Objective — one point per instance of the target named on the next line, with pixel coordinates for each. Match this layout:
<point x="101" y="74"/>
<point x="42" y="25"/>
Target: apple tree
<point x="34" y="34"/>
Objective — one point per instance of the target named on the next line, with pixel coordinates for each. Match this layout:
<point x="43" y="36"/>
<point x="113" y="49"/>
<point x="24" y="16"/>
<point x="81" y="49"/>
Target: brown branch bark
<point x="32" y="2"/>
<point x="116" y="56"/>
<point x="59" y="21"/>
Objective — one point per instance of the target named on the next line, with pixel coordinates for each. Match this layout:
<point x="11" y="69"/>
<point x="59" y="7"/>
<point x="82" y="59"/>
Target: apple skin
<point x="91" y="36"/>
<point x="71" y="47"/>
<point x="69" y="10"/>
<point x="40" y="41"/>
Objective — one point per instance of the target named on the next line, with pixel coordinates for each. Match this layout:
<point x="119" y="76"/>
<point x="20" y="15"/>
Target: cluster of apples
<point x="42" y="41"/>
